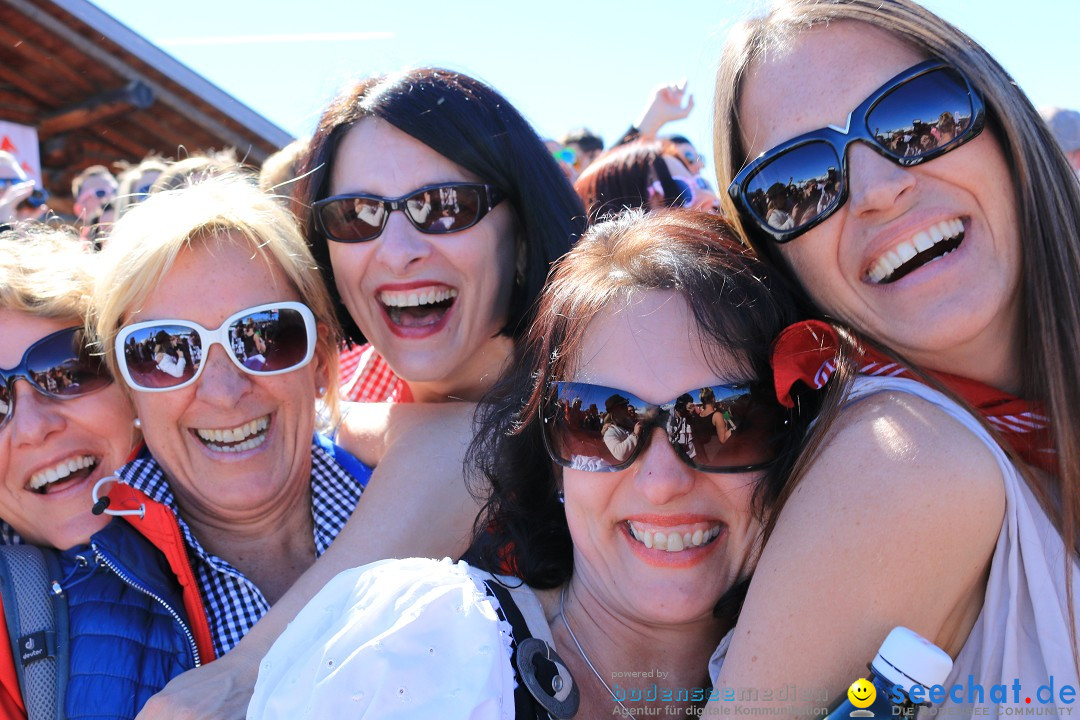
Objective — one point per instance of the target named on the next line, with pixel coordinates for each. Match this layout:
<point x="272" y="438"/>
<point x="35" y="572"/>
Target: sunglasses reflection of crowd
<point x="55" y="380"/>
<point x="789" y="205"/>
<point x="697" y="428"/>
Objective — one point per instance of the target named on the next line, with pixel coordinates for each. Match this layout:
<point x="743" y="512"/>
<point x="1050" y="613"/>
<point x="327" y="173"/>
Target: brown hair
<point x="1047" y="199"/>
<point x="621" y="178"/>
<point x="738" y="308"/>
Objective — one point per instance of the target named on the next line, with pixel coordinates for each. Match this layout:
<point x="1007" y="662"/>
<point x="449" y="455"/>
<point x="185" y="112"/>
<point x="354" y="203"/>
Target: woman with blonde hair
<point x="956" y="263"/>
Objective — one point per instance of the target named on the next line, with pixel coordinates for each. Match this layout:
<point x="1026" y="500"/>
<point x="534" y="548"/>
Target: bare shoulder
<point x="894" y="523"/>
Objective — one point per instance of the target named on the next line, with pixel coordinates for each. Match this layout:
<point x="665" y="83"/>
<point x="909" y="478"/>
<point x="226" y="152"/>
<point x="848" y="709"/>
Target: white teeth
<point x="235" y="435"/>
<point x="60" y="471"/>
<point x="923" y="240"/>
<point x="674" y="541"/>
<point x="426" y="296"/>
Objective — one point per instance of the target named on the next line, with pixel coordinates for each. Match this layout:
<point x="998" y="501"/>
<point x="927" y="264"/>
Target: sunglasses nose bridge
<point x="660" y="471"/>
<point x="874" y="182"/>
<point x="38" y="415"/>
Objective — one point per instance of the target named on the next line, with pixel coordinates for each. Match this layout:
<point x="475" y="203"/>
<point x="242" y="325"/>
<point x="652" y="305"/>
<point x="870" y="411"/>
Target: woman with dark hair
<point x="944" y="496"/>
<point x="641" y="174"/>
<point x="623" y="560"/>
<point x="442" y="291"/>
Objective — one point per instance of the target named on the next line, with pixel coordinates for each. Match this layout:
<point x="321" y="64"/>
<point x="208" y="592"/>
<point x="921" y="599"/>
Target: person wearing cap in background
<point x="1065" y="125"/>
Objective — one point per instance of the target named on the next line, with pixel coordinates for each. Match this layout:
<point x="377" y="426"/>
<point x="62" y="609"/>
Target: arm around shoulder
<point x="895" y="523"/>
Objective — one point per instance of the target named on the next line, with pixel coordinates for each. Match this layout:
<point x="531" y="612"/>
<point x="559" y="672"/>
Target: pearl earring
<point x="322" y="390"/>
<point x="137" y="423"/>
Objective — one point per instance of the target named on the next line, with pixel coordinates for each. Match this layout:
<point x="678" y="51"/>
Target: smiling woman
<point x="435" y="212"/>
<point x="623" y="557"/>
<point x="211" y="310"/>
<point x="887" y="164"/>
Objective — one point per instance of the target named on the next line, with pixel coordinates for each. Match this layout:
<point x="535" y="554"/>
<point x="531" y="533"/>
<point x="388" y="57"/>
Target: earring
<point x="137" y="423"/>
<point x="519" y="277"/>
<point x="322" y="390"/>
<point x="562" y="498"/>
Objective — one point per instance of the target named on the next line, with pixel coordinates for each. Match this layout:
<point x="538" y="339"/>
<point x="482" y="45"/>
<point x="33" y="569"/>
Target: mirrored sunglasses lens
<point x="65" y="366"/>
<point x="162" y="356"/>
<point x="795" y="188"/>
<point x="591" y="428"/>
<point x="445" y="209"/>
<point x="721" y="429"/>
<point x="270" y="340"/>
<point x="922" y="115"/>
<point x="353" y="219"/>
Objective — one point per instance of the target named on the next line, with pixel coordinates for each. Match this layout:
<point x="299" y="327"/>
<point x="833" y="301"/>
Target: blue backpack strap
<point x="37" y="626"/>
<point x="360" y="471"/>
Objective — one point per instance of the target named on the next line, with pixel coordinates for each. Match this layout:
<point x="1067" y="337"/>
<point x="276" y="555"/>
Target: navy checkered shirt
<point x="233" y="603"/>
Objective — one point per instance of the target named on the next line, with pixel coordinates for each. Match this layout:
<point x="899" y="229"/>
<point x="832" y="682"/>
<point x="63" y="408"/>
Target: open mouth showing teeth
<point x="248" y="436"/>
<point x="418" y="308"/>
<point x="924" y="248"/>
<point x="73" y="469"/>
<point x="674" y="540"/>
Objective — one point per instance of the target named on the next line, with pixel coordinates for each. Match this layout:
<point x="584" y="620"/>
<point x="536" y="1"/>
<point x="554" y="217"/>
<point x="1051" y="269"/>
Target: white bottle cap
<point x="907" y="658"/>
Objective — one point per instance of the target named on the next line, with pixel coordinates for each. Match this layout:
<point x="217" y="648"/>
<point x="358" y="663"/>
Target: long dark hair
<point x="739" y="309"/>
<point x="474" y="126"/>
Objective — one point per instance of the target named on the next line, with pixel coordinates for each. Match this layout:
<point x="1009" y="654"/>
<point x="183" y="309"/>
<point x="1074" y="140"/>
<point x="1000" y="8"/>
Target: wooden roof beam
<point x="136" y="95"/>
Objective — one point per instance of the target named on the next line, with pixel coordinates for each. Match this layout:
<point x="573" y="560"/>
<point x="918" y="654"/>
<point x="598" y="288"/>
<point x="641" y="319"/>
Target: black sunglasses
<point x="435" y="209"/>
<point x="722" y="429"/>
<point x="923" y="112"/>
<point x="58" y="366"/>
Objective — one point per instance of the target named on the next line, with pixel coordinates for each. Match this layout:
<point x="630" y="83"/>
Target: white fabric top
<point x="414" y="638"/>
<point x="1023" y="630"/>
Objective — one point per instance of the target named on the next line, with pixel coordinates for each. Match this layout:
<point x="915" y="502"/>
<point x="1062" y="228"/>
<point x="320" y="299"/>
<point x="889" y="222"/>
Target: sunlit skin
<point x="44" y="431"/>
<point x="462" y="354"/>
<point x="241" y="491"/>
<point x="651" y="348"/>
<point x="959" y="314"/>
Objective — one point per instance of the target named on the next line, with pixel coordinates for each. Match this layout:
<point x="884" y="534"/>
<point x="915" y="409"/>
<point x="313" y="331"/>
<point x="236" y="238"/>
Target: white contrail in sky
<point x="275" y="38"/>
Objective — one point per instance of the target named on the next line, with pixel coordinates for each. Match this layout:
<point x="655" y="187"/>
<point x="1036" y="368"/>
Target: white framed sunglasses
<point x="166" y="354"/>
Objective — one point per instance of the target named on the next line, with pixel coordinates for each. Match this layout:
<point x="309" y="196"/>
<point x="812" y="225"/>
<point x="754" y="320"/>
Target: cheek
<point x="348" y="262"/>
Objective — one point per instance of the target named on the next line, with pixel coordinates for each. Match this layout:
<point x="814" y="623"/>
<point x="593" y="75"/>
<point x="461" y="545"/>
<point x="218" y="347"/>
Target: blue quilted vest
<point x="128" y="628"/>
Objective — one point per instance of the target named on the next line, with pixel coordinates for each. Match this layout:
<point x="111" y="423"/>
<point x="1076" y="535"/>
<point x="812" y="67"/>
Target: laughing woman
<point x="435" y="212"/>
<point x="919" y="199"/>
<point x="622" y="562"/>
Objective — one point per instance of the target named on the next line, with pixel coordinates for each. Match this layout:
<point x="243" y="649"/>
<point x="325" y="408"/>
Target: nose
<point x="875" y="183"/>
<point x="661" y="475"/>
<point x="221" y="383"/>
<point x="36" y="417"/>
<point x="401" y="246"/>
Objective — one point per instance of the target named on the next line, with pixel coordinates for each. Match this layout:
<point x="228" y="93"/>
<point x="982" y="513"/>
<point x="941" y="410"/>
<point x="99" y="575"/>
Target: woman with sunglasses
<point x="641" y="174"/>
<point x="233" y="472"/>
<point x="435" y="212"/>
<point x="64" y="427"/>
<point x="623" y="558"/>
<point x="944" y="496"/>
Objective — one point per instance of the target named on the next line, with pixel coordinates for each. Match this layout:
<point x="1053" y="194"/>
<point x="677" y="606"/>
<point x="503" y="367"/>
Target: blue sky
<point x="563" y="64"/>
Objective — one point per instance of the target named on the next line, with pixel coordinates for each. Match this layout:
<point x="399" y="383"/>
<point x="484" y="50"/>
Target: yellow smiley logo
<point x="862" y="693"/>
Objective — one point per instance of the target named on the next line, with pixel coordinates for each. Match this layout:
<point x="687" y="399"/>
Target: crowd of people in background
<point x="634" y="412"/>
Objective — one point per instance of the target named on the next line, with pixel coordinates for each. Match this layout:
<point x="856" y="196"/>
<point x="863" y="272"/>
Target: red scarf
<point x="806" y="351"/>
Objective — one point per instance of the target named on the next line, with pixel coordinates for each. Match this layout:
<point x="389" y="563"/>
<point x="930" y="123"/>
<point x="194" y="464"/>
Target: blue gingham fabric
<point x="233" y="603"/>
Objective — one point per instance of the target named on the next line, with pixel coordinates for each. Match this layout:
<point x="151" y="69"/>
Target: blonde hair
<point x="146" y="242"/>
<point x="45" y="271"/>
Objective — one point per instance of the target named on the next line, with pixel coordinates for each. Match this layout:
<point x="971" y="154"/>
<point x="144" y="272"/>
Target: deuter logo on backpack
<point x="33" y="647"/>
